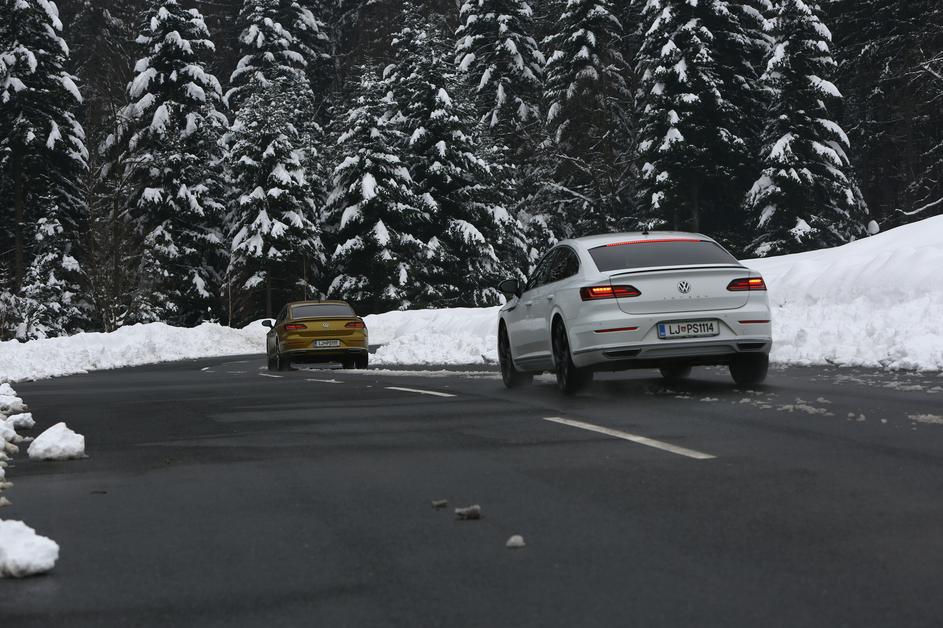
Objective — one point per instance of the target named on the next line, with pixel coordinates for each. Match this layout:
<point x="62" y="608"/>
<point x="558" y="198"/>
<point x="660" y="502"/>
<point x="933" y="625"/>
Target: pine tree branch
<point x="921" y="209"/>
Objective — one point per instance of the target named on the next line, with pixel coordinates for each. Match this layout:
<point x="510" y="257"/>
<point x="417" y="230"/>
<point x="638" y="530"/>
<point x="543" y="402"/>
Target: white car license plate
<point x="327" y="343"/>
<point x="688" y="329"/>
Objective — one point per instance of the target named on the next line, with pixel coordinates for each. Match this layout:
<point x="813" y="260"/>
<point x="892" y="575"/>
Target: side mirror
<point x="510" y="288"/>
<point x="268" y="323"/>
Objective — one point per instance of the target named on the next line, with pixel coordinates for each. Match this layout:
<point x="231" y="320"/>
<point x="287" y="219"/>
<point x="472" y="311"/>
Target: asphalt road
<point x="216" y="495"/>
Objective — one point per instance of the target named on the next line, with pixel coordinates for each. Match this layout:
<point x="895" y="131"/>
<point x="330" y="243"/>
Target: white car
<point x="662" y="300"/>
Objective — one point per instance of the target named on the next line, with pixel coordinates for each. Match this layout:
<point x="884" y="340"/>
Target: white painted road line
<point x="325" y="381"/>
<point x="270" y="375"/>
<point x="420" y="392"/>
<point x="641" y="440"/>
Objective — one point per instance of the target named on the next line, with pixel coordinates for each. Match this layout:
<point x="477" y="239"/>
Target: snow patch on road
<point x="927" y="419"/>
<point x="57" y="443"/>
<point x="23" y="552"/>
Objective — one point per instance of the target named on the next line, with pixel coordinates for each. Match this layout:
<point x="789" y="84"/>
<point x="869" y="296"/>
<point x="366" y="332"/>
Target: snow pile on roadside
<point x="23" y="552"/>
<point x="448" y="336"/>
<point x="874" y="302"/>
<point x="23" y="421"/>
<point x="8" y="433"/>
<point x="129" y="346"/>
<point x="57" y="443"/>
<point x="11" y="404"/>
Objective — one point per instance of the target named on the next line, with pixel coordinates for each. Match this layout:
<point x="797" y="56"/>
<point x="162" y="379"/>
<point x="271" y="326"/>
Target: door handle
<point x="550" y="297"/>
<point x="528" y="303"/>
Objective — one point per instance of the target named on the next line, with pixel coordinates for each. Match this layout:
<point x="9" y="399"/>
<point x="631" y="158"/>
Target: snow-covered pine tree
<point x="103" y="34"/>
<point x="315" y="44"/>
<point x="690" y="141"/>
<point x="279" y="39"/>
<point x="42" y="160"/>
<point x="806" y="197"/>
<point x="373" y="212"/>
<point x="496" y="48"/>
<point x="890" y="56"/>
<point x="588" y="105"/>
<point x="473" y="242"/>
<point x="276" y="253"/>
<point x="498" y="55"/>
<point x="172" y="159"/>
<point x="50" y="302"/>
<point x="742" y="47"/>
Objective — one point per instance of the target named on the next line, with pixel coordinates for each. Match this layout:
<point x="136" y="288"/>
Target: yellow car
<point x="317" y="331"/>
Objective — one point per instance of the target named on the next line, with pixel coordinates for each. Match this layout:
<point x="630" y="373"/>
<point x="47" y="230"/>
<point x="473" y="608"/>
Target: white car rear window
<point x="653" y="253"/>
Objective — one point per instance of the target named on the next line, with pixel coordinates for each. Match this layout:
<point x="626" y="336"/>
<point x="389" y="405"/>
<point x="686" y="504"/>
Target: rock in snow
<point x="469" y="513"/>
<point x="515" y="542"/>
<point x="57" y="443"/>
<point x="23" y="552"/>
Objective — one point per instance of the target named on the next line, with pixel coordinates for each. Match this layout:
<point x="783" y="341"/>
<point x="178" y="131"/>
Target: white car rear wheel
<point x="570" y="378"/>
<point x="749" y="369"/>
<point x="511" y="377"/>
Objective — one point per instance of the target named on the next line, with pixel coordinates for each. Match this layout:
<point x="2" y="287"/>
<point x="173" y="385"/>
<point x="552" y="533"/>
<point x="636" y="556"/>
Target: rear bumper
<point x="619" y="341"/>
<point x="696" y="353"/>
<point x="330" y="354"/>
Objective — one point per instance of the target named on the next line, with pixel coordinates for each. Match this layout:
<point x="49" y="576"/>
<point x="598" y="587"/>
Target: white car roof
<point x="593" y="241"/>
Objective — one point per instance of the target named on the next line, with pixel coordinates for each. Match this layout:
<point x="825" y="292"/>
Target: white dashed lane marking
<point x="420" y="392"/>
<point x="641" y="440"/>
<point x="325" y="381"/>
<point x="270" y="375"/>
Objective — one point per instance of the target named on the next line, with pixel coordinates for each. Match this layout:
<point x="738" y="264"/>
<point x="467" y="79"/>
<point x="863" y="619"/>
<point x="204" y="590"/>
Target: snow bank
<point x="23" y="552"/>
<point x="448" y="336"/>
<point x="129" y="346"/>
<point x="874" y="302"/>
<point x="57" y="443"/>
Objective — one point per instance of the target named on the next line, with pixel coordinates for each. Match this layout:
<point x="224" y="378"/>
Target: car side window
<point x="565" y="264"/>
<point x="538" y="277"/>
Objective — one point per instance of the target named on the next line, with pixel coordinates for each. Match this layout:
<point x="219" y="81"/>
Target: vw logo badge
<point x="684" y="287"/>
<point x="325" y="325"/>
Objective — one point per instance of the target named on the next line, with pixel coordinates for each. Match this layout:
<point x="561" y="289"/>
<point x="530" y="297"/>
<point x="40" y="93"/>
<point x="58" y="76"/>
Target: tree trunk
<point x="19" y="202"/>
<point x="268" y="297"/>
<point x="694" y="221"/>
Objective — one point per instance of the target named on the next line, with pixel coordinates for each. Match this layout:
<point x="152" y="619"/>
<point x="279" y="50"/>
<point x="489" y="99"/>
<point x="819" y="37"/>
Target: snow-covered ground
<point x="129" y="346"/>
<point x="874" y="302"/>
